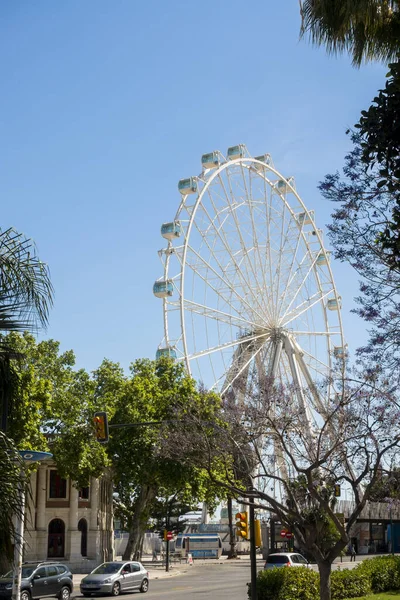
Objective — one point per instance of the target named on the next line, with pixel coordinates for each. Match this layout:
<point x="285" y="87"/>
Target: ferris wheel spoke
<point x="218" y="315"/>
<point x="290" y="274"/>
<point x="309" y="303"/>
<point x="218" y="291"/>
<point x="229" y="381"/>
<point x="245" y="283"/>
<point x="312" y="333"/>
<point x="253" y="226"/>
<point x="300" y="286"/>
<point x="227" y="345"/>
<point x="249" y="266"/>
<point x="278" y="271"/>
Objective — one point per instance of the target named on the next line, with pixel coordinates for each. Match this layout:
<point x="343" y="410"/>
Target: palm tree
<point x="26" y="294"/>
<point x="367" y="29"/>
<point x="10" y="499"/>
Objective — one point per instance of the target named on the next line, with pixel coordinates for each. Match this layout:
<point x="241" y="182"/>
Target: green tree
<point x="367" y="29"/>
<point x="53" y="406"/>
<point x="353" y="437"/>
<point x="26" y="294"/>
<point x="10" y="500"/>
<point x="159" y="392"/>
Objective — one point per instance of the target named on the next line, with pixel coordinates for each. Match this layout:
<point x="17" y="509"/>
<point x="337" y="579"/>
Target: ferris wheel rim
<point x="206" y="179"/>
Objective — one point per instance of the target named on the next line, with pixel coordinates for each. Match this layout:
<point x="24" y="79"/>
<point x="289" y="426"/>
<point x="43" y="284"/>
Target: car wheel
<point x="145" y="586"/>
<point x="64" y="593"/>
<point x="116" y="589"/>
<point x="25" y="595"/>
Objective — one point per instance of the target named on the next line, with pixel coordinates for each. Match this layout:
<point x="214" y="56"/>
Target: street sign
<point x="170" y="535"/>
<point x="289" y="535"/>
<point x="283" y="533"/>
<point x="32" y="456"/>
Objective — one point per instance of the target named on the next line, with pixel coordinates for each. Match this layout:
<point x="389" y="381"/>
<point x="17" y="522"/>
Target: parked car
<point x="286" y="559"/>
<point x="40" y="580"/>
<point x="116" y="577"/>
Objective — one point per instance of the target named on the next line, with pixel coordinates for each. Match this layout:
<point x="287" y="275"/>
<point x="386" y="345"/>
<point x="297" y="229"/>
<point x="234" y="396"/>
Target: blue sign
<point x="32" y="456"/>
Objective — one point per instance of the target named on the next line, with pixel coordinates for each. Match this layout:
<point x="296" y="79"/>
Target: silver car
<point x="286" y="559"/>
<point x="116" y="577"/>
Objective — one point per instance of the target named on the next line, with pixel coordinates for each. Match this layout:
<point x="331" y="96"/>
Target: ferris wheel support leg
<point x="322" y="409"/>
<point x="306" y="373"/>
<point x="291" y="354"/>
<point x="276" y="355"/>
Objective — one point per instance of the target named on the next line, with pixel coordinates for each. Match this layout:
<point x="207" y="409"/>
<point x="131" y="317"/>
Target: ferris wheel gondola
<point x="247" y="284"/>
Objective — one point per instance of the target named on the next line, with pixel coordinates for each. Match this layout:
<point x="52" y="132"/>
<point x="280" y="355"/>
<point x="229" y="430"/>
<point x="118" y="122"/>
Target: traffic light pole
<point x="167" y="548"/>
<point x="253" y="557"/>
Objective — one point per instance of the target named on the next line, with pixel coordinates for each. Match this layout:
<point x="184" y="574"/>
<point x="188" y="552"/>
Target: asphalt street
<point x="217" y="580"/>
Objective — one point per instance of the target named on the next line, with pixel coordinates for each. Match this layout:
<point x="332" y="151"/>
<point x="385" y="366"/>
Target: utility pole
<point x="167" y="548"/>
<point x="253" y="557"/>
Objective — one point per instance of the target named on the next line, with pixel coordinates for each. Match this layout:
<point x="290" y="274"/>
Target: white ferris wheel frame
<point x="289" y="344"/>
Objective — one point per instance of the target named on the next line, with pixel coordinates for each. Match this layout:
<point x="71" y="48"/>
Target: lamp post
<point x="27" y="456"/>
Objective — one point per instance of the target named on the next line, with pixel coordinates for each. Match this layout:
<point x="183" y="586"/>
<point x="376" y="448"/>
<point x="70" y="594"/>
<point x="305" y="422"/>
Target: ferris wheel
<point x="247" y="285"/>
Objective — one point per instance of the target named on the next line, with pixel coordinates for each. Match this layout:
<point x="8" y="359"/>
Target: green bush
<point x="299" y="584"/>
<point x="379" y="574"/>
<point x="269" y="584"/>
<point x="382" y="571"/>
<point x="349" y="584"/>
<point x="284" y="583"/>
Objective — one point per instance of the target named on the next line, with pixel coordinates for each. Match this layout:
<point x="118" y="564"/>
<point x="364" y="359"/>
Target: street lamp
<point x="27" y="456"/>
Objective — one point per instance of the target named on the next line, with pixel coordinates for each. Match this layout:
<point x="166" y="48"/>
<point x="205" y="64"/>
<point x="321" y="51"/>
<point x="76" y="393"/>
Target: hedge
<point x="379" y="574"/>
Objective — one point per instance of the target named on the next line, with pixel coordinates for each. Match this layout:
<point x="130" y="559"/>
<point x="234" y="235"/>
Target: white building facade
<point x="68" y="523"/>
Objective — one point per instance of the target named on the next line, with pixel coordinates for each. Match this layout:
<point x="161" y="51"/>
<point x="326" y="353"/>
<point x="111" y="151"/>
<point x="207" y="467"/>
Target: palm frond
<point x="367" y="29"/>
<point x="26" y="292"/>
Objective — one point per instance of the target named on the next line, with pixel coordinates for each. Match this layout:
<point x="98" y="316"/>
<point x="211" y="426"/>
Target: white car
<point x="286" y="559"/>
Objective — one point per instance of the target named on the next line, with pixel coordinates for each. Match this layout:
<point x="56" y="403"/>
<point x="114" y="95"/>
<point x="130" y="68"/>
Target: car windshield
<point x="26" y="572"/>
<point x="277" y="560"/>
<point x="107" y="568"/>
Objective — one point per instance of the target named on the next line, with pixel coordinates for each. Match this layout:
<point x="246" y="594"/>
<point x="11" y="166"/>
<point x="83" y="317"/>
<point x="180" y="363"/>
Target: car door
<point x="126" y="577"/>
<point x="137" y="575"/>
<point x="301" y="560"/>
<point x="40" y="583"/>
<point x="53" y="580"/>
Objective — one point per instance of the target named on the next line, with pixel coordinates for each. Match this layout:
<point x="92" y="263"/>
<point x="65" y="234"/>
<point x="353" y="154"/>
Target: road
<point x="217" y="581"/>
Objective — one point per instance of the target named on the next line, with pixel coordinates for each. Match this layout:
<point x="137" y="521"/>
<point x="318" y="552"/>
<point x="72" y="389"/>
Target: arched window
<point x="82" y="527"/>
<point x="56" y="539"/>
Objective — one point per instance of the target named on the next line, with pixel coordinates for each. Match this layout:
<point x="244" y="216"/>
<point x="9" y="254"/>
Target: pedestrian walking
<point x="352" y="552"/>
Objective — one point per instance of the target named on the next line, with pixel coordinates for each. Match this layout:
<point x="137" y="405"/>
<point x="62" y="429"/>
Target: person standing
<point x="353" y="553"/>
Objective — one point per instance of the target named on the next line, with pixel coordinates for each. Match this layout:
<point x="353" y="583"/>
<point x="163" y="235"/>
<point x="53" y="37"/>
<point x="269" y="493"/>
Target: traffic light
<point x="337" y="490"/>
<point x="242" y="525"/>
<point x="257" y="531"/>
<point x="101" y="427"/>
<point x="165" y="535"/>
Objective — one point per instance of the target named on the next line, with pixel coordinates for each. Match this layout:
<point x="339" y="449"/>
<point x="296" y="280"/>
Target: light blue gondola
<point x="339" y="352"/>
<point x="162" y="289"/>
<point x="265" y="159"/>
<point x="210" y="160"/>
<point x="322" y="259"/>
<point x="172" y="230"/>
<point x="283" y="185"/>
<point x="334" y="303"/>
<point x="236" y="152"/>
<point x="168" y="351"/>
<point x="187" y="186"/>
<point x="305" y="218"/>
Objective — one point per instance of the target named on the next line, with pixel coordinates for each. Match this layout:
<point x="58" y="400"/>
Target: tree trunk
<point x="139" y="522"/>
<point x="232" y="540"/>
<point x="324" y="569"/>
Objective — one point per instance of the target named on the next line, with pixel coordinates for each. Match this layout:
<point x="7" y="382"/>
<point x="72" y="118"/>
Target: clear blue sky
<point x="106" y="104"/>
